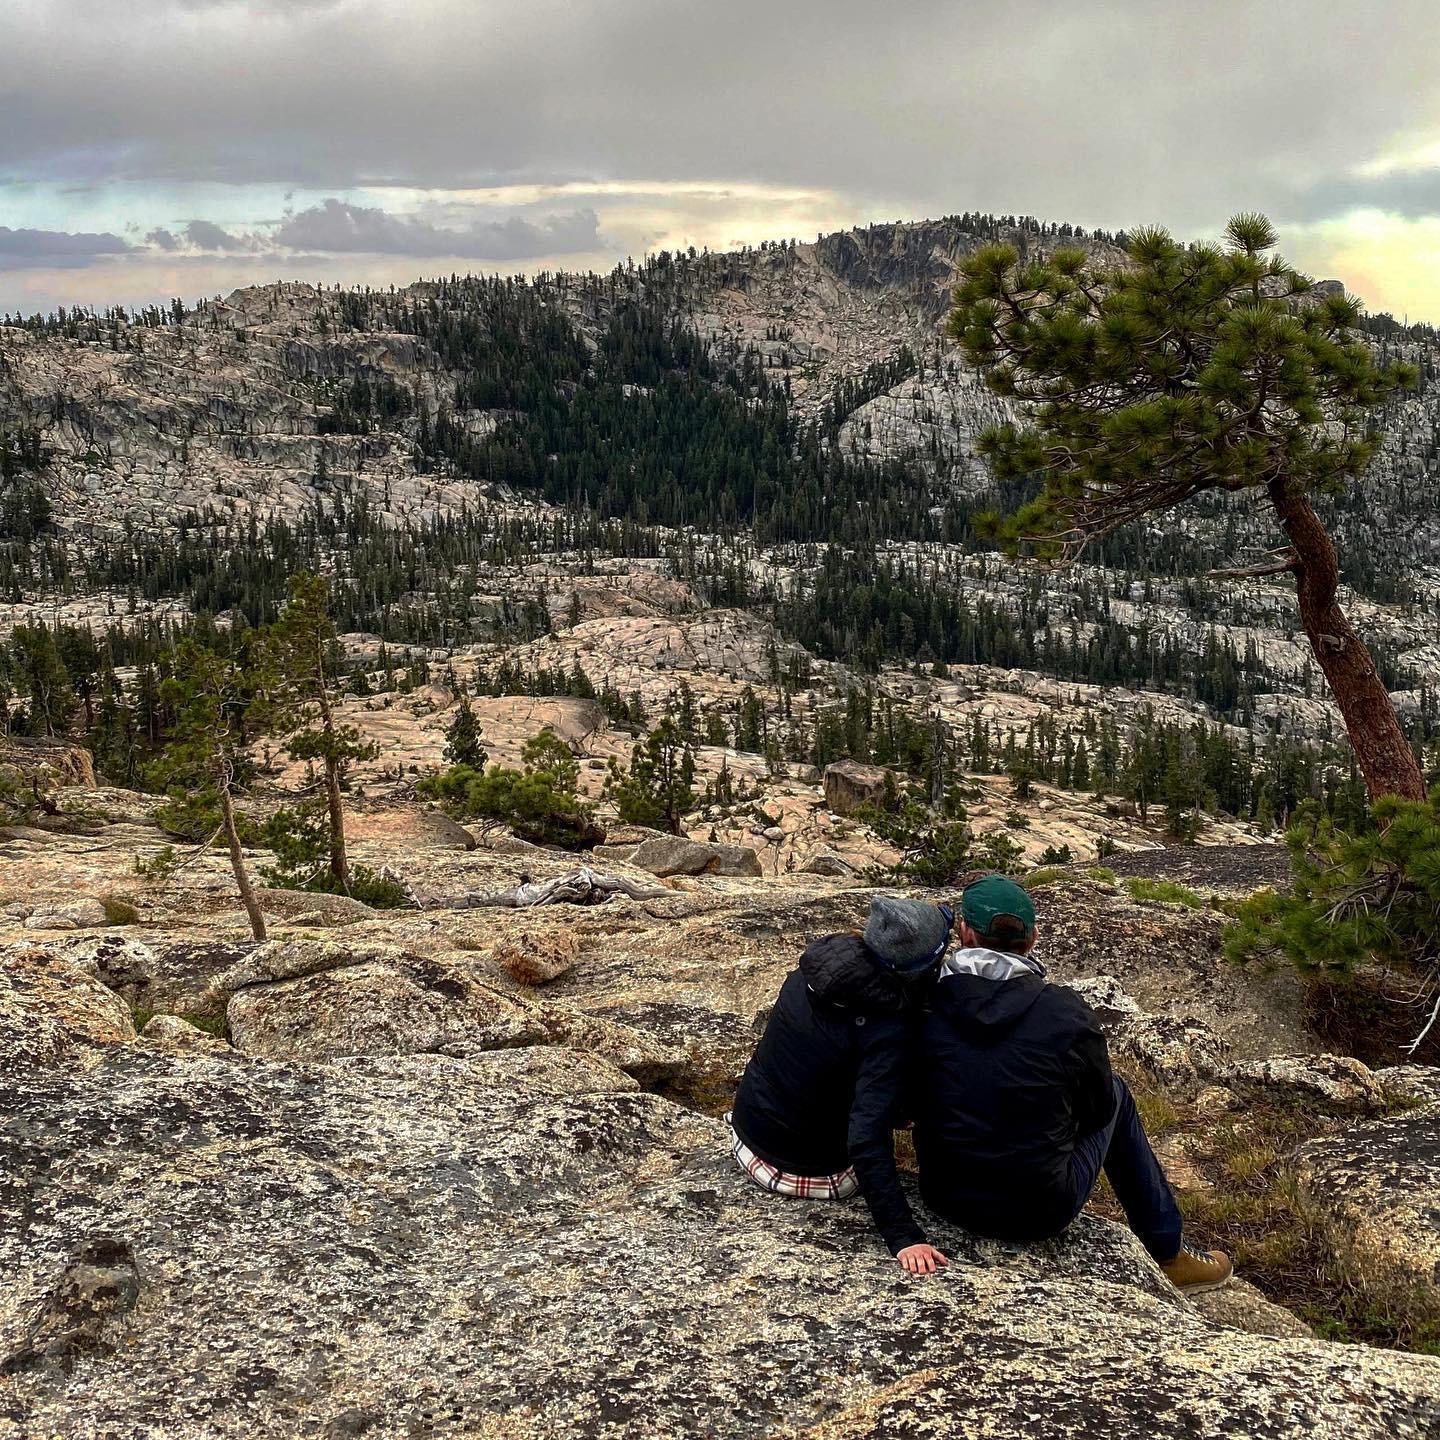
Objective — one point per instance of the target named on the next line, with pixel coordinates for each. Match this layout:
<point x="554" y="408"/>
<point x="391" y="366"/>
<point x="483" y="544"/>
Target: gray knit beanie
<point x="906" y="935"/>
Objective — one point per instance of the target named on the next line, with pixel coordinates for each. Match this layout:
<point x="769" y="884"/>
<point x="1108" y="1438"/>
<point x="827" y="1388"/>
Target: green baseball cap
<point x="992" y="896"/>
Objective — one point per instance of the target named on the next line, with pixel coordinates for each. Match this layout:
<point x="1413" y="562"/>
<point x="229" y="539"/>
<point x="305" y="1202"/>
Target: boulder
<point x="126" y="965"/>
<point x="387" y="1247"/>
<point x="374" y="1009"/>
<point x="634" y="1051"/>
<point x="1377" y="1182"/>
<point x="825" y="862"/>
<point x="82" y="914"/>
<point x="673" y="855"/>
<point x="665" y="855"/>
<point x="1334" y="1084"/>
<point x="849" y="785"/>
<point x="1179" y="1052"/>
<point x="734" y="860"/>
<point x="52" y="1011"/>
<point x="1411" y="1082"/>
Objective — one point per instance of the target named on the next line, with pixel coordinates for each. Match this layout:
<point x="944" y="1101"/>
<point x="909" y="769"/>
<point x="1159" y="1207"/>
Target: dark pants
<point x="1134" y="1173"/>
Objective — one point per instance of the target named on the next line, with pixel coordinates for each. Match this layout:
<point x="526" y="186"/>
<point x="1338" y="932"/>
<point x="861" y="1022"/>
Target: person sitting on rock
<point x="816" y="1108"/>
<point x="1016" y="1108"/>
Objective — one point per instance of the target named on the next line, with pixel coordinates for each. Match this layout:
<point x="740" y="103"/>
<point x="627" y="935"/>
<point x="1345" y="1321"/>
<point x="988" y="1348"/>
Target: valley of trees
<point x="656" y="441"/>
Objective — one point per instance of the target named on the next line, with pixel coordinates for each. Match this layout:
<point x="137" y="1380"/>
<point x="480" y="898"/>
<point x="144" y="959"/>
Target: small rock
<point x="172" y="1033"/>
<point x="539" y="957"/>
<point x="84" y="1314"/>
<point x="1214" y="1101"/>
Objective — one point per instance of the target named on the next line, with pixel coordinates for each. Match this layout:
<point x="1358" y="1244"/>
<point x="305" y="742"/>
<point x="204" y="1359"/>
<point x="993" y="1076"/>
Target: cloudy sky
<point x="151" y="148"/>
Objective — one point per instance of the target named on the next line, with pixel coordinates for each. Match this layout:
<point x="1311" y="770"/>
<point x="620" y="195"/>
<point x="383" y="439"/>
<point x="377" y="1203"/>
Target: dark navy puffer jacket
<point x="824" y="1087"/>
<point x="1010" y="1075"/>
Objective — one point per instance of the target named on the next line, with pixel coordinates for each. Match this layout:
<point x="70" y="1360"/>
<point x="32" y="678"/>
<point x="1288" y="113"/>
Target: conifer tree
<point x="659" y="785"/>
<point x="1187" y="370"/>
<point x="302" y="639"/>
<point x="209" y="695"/>
<point x="464" y="744"/>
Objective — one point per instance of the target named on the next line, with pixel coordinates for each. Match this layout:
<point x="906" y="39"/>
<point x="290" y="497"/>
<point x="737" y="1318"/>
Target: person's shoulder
<point x="840" y="971"/>
<point x="1064" y="1003"/>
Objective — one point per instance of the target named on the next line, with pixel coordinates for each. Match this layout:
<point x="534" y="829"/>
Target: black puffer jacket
<point x="1011" y="1074"/>
<point x="823" y="1088"/>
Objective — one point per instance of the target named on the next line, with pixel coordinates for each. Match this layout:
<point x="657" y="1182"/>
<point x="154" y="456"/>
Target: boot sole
<point x="1204" y="1287"/>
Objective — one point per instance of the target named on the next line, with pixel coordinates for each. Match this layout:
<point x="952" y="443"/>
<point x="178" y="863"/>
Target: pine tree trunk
<point x="1386" y="759"/>
<point x="237" y="862"/>
<point x="339" y="860"/>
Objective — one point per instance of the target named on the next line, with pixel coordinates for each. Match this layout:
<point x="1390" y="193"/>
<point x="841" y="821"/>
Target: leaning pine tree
<point x="1184" y="370"/>
<point x="211" y="698"/>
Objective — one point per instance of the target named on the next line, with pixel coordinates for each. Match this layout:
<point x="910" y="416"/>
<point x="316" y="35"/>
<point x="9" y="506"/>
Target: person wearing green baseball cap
<point x="1018" y="1109"/>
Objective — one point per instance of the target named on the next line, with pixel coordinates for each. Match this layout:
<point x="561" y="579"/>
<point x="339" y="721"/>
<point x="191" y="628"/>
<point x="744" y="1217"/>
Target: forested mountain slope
<point x="784" y="429"/>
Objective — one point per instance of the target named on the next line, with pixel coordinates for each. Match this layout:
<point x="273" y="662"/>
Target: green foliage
<point x="463" y="742"/>
<point x="1371" y="895"/>
<point x="539" y="802"/>
<point x="159" y="866"/>
<point x="119" y="910"/>
<point x="658" y="786"/>
<point x="1163" y="892"/>
<point x="213" y="701"/>
<point x="300" y="840"/>
<point x="1190" y="368"/>
<point x="1044" y="875"/>
<point x="933" y="850"/>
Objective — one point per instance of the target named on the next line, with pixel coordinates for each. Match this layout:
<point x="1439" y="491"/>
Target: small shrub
<point x="1163" y="892"/>
<point x="1356" y="897"/>
<point x="119" y="911"/>
<point x="1101" y="874"/>
<point x="161" y="864"/>
<point x="538" y="803"/>
<point x="1045" y="875"/>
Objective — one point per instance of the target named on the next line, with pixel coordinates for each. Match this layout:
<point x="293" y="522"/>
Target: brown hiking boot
<point x="1193" y="1271"/>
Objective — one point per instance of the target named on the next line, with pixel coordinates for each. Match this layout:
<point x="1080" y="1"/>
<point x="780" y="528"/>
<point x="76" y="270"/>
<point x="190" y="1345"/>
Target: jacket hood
<point x="986" y="991"/>
<point x="839" y="970"/>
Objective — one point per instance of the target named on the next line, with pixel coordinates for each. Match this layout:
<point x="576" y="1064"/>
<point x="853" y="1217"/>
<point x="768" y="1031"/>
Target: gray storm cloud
<point x="1116" y="110"/>
<point x="55" y="249"/>
<point x="336" y="227"/>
